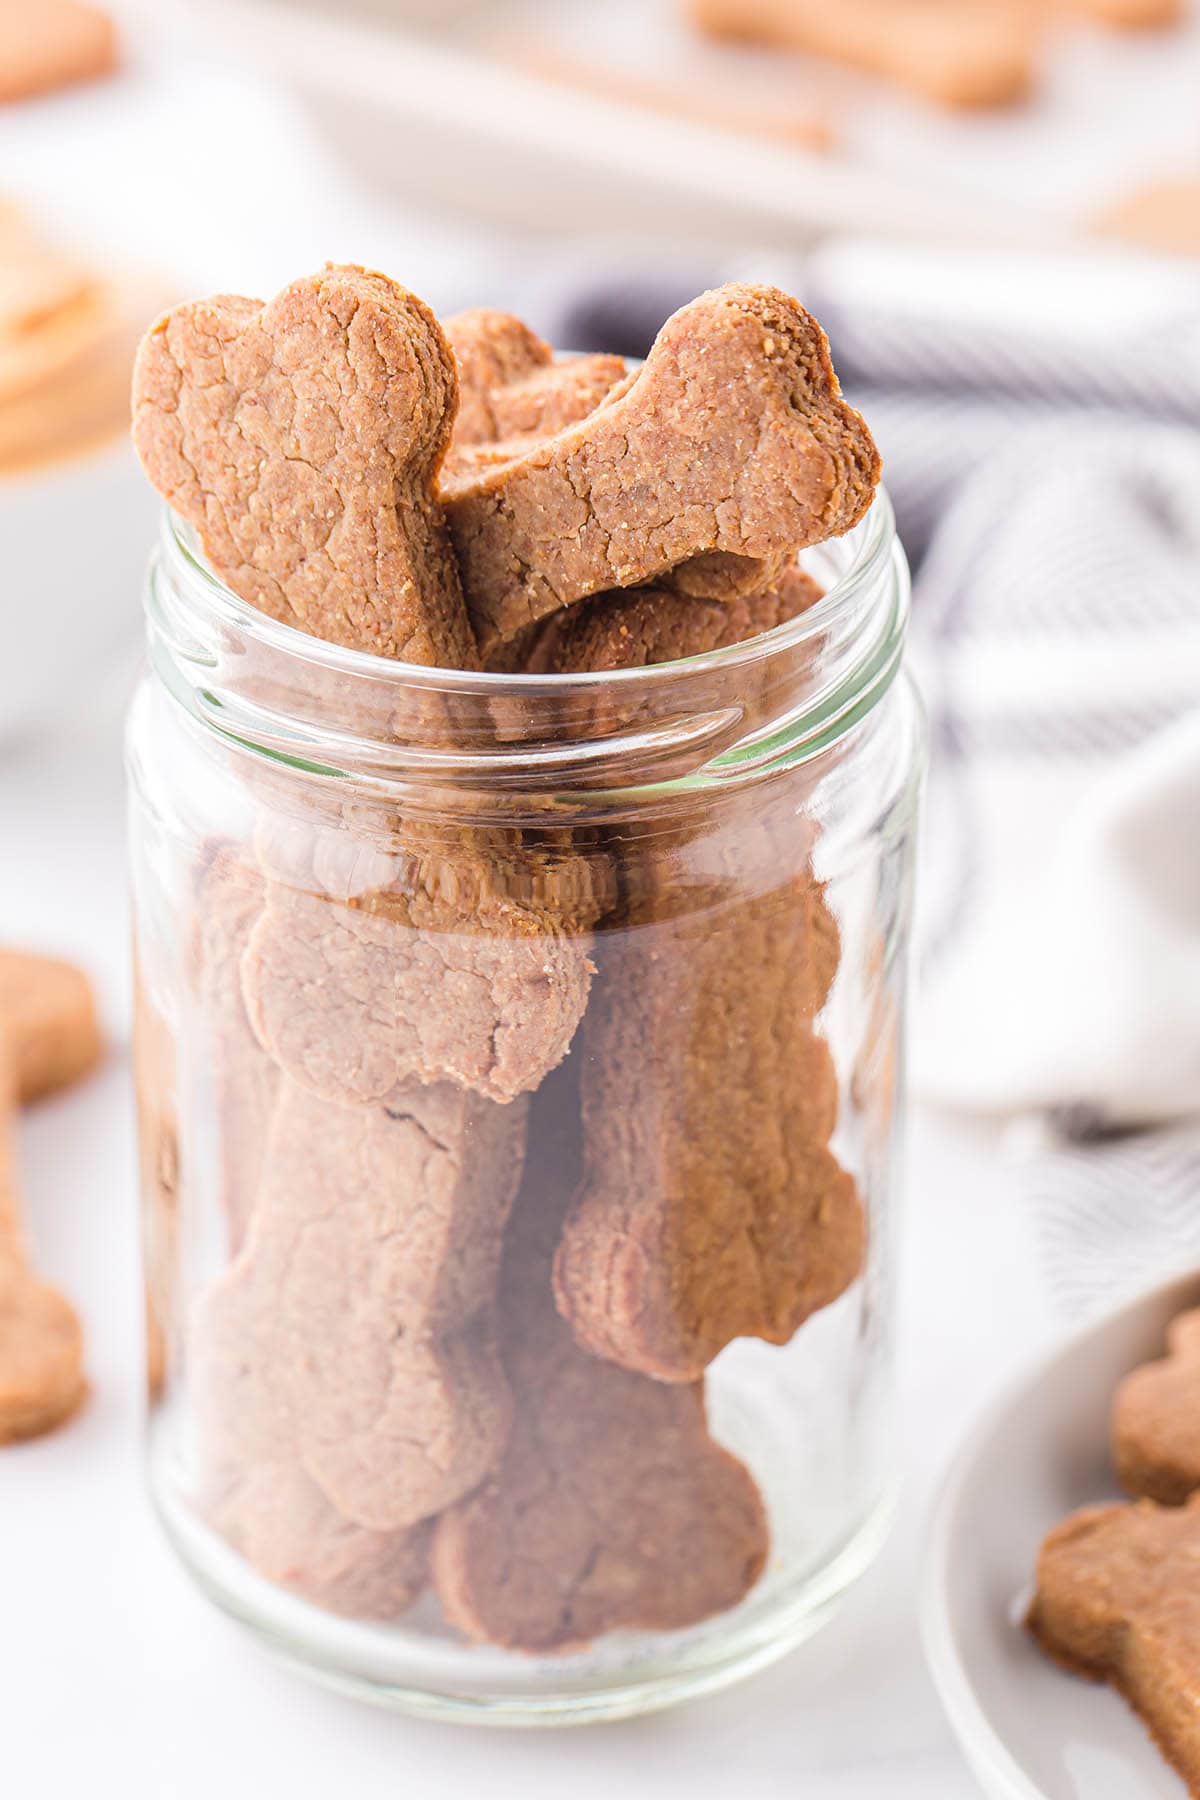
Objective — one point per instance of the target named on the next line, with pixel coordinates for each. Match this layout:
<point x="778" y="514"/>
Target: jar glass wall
<point x="520" y="1083"/>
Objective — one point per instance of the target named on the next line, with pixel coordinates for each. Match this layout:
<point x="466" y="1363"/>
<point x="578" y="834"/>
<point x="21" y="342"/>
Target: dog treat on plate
<point x="1117" y="1600"/>
<point x="52" y="44"/>
<point x="42" y="1382"/>
<point x="1156" y="1420"/>
<point x="302" y="441"/>
<point x="510" y="386"/>
<point x="373" y="1251"/>
<point x="48" y="1017"/>
<point x="612" y="1507"/>
<point x="733" y="437"/>
<point x="969" y="53"/>
<point x="710" y="1207"/>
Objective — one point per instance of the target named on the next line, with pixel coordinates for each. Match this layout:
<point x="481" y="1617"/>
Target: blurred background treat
<point x="994" y="208"/>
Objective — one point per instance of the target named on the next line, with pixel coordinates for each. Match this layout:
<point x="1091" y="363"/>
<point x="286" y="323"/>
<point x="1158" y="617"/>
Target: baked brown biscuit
<point x="732" y="438"/>
<point x="634" y="628"/>
<point x="612" y="1507"/>
<point x="302" y="441"/>
<point x="710" y="1208"/>
<point x="286" y="1529"/>
<point x="1117" y="1600"/>
<point x="48" y="1016"/>
<point x="229" y="902"/>
<point x="1156" y="1420"/>
<point x="510" y="385"/>
<point x="970" y="54"/>
<point x="352" y="1336"/>
<point x="42" y="1383"/>
<point x="52" y="44"/>
<point x="356" y="999"/>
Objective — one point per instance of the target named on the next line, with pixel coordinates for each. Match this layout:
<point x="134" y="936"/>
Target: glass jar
<point x="520" y="1081"/>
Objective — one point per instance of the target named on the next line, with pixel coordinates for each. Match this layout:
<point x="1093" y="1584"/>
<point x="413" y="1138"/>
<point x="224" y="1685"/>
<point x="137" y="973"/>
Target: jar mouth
<point x="770" y="701"/>
<point x="870" y="558"/>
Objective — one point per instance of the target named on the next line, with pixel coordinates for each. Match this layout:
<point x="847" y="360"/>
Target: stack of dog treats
<point x="518" y="1131"/>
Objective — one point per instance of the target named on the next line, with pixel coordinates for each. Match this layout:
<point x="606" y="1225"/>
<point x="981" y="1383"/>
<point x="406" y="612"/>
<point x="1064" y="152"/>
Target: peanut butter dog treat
<point x="48" y="1015"/>
<point x="635" y="627"/>
<point x="612" y="1506"/>
<point x="287" y="1530"/>
<point x="231" y="901"/>
<point x="710" y="1208"/>
<point x="302" y="441"/>
<point x="510" y="385"/>
<point x="972" y="53"/>
<point x="41" y="1343"/>
<point x="732" y="438"/>
<point x="53" y="44"/>
<point x="1156" y="1420"/>
<point x="374" y="1246"/>
<point x="406" y="984"/>
<point x="1117" y="1600"/>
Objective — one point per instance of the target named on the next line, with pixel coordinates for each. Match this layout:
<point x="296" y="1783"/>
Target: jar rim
<point x="872" y="554"/>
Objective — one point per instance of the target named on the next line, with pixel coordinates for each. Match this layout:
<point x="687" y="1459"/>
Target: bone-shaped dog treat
<point x="41" y="1343"/>
<point x="636" y="627"/>
<point x="971" y="53"/>
<point x="612" y="1507"/>
<point x="1117" y="1600"/>
<point x="510" y="385"/>
<point x="48" y="1015"/>
<point x="733" y="438"/>
<point x="229" y="903"/>
<point x="710" y="1207"/>
<point x="286" y="1529"/>
<point x="353" y="1334"/>
<point x="302" y="441"/>
<point x="409" y="984"/>
<point x="1156" y="1420"/>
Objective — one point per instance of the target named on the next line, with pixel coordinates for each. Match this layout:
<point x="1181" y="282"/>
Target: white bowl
<point x="74" y="540"/>
<point x="1030" y="1731"/>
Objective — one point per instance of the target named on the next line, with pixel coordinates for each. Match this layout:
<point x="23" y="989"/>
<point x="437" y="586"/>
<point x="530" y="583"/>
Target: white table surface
<point x="116" y="1676"/>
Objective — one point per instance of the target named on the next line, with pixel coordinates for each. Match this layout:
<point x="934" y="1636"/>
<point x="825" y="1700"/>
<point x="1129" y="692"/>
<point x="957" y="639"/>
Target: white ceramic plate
<point x="1030" y="1731"/>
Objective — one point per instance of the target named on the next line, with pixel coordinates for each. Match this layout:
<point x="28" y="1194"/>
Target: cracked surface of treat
<point x="302" y="440"/>
<point x="373" y="1246"/>
<point x="48" y="1016"/>
<point x="229" y="903"/>
<point x="1156" y="1420"/>
<point x="511" y="386"/>
<point x="42" y="1383"/>
<point x="711" y="1207"/>
<point x="733" y="438"/>
<point x="356" y="998"/>
<point x="612" y="1507"/>
<point x="1117" y="1600"/>
<point x="636" y="627"/>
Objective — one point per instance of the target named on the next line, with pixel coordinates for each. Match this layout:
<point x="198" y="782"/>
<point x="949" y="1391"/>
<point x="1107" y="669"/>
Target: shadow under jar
<point x="520" y="1082"/>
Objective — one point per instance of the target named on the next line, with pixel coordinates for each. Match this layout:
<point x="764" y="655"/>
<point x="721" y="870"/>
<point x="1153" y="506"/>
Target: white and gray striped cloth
<point x="1040" y="426"/>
